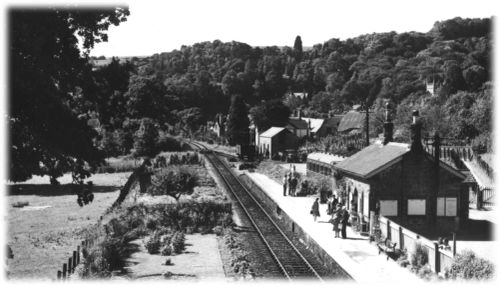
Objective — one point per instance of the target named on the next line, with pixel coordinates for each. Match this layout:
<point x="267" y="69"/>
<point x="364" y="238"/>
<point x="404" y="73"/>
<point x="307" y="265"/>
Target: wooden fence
<point x="439" y="259"/>
<point x="74" y="260"/>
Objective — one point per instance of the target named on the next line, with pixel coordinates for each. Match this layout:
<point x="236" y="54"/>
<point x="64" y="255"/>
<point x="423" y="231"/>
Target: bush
<point x="153" y="244"/>
<point x="167" y="143"/>
<point x="166" y="250"/>
<point x="468" y="266"/>
<point x="20" y="204"/>
<point x="403" y="259"/>
<point x="245" y="166"/>
<point x="419" y="258"/>
<point x="135" y="234"/>
<point x="174" y="182"/>
<point x="151" y="223"/>
<point x="425" y="272"/>
<point x="178" y="241"/>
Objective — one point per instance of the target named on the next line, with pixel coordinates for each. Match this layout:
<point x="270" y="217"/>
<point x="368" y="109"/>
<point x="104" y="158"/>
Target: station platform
<point x="355" y="254"/>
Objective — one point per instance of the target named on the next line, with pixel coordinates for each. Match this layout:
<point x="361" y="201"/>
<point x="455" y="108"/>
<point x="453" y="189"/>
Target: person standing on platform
<point x="295" y="182"/>
<point x="337" y="215"/>
<point x="345" y="219"/>
<point x="315" y="209"/>
<point x="285" y="182"/>
<point x="290" y="179"/>
<point x="335" y="201"/>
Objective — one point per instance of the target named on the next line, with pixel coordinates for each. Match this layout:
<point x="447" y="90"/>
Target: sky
<point x="162" y="26"/>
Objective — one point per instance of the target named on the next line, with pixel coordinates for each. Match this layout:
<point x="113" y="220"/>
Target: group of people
<point x="337" y="211"/>
<point x="290" y="182"/>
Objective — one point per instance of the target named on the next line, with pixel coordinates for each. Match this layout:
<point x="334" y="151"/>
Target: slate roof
<point x="372" y="159"/>
<point x="325" y="157"/>
<point x="271" y="132"/>
<point x="351" y="120"/>
<point x="298" y="123"/>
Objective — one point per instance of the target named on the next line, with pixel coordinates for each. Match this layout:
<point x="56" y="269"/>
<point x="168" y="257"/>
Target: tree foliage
<point x="48" y="87"/>
<point x="238" y="122"/>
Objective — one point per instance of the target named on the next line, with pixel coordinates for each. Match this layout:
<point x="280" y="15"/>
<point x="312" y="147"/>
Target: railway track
<point x="290" y="261"/>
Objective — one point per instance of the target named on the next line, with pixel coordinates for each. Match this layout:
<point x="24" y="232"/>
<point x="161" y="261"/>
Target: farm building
<point x="407" y="184"/>
<point x="276" y="139"/>
<point x="298" y="126"/>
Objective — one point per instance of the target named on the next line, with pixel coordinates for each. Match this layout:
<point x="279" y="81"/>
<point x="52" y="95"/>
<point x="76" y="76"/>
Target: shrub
<point x="167" y="143"/>
<point x="166" y="251"/>
<point x="20" y="204"/>
<point x="403" y="259"/>
<point x="468" y="266"/>
<point x="151" y="223"/>
<point x="178" y="242"/>
<point x="153" y="244"/>
<point x="419" y="258"/>
<point x="135" y="234"/>
<point x="425" y="272"/>
<point x="217" y="230"/>
<point x="174" y="182"/>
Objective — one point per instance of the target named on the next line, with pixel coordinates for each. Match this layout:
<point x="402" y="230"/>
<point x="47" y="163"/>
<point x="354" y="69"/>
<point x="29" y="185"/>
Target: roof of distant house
<point x="273" y="131"/>
<point x="316" y="123"/>
<point x="298" y="123"/>
<point x="299" y="94"/>
<point x="351" y="120"/>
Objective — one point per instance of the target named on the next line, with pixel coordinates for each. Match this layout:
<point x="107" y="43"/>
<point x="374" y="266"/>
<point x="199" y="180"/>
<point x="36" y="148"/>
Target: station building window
<point x="446" y="206"/>
<point x="416" y="207"/>
<point x="389" y="207"/>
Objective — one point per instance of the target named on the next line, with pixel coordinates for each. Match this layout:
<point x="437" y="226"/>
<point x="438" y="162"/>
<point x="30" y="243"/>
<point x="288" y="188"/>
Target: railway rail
<point x="291" y="262"/>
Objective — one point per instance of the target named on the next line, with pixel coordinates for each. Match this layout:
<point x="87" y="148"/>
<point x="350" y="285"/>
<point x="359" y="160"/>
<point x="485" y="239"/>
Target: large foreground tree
<point x="49" y="88"/>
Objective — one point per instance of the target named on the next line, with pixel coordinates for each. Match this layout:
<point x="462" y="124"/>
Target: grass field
<point x="43" y="234"/>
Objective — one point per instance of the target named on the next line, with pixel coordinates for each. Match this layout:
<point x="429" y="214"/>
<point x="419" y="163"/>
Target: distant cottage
<point x="352" y="122"/>
<point x="408" y="185"/>
<point x="276" y="139"/>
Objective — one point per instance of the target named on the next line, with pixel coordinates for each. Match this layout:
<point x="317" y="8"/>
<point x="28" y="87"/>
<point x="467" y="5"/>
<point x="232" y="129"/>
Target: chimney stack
<point x="388" y="125"/>
<point x="416" y="129"/>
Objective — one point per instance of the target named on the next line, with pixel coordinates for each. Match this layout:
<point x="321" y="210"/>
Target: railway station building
<point x="405" y="184"/>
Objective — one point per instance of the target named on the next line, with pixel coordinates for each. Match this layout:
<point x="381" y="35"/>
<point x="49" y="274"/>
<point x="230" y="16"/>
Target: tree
<point x="270" y="113"/>
<point x="176" y="182"/>
<point x="297" y="49"/>
<point x="145" y="98"/>
<point x="192" y="118"/>
<point x="145" y="139"/>
<point x="46" y="69"/>
<point x="238" y="122"/>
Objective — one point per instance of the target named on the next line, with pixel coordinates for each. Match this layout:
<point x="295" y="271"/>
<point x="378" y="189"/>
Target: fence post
<point x="78" y="254"/>
<point x="74" y="261"/>
<point x="388" y="230"/>
<point x="454" y="244"/>
<point x="59" y="275"/>
<point x="401" y="239"/>
<point x="437" y="258"/>
<point x="70" y="264"/>
<point x="65" y="268"/>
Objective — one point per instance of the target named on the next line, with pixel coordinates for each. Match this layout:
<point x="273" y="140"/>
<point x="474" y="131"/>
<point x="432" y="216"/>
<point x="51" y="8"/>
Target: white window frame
<point x="444" y="206"/>
<point x="390" y="204"/>
<point x="416" y="207"/>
